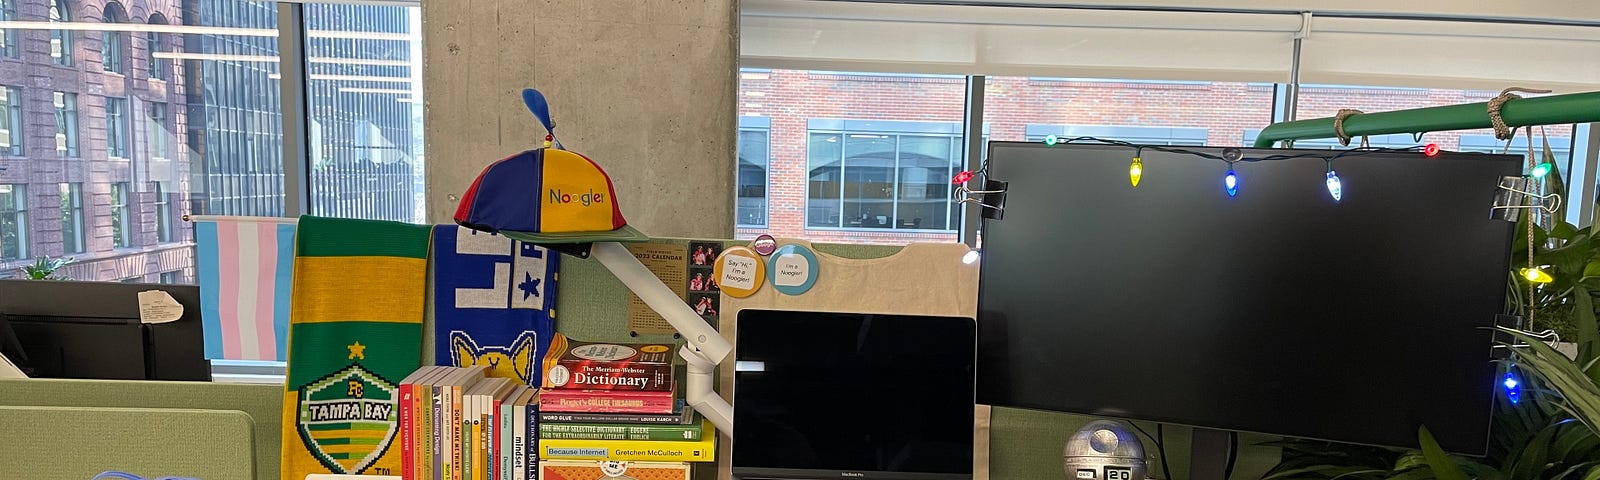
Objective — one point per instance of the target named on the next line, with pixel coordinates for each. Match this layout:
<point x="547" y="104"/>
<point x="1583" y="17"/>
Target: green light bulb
<point x="1540" y="170"/>
<point x="1050" y="140"/>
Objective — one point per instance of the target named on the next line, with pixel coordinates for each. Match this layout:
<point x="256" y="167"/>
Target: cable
<point x="1233" y="455"/>
<point x="1052" y="141"/>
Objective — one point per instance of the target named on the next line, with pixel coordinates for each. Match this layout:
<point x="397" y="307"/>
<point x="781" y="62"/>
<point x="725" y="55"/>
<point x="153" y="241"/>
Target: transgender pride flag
<point x="245" y="273"/>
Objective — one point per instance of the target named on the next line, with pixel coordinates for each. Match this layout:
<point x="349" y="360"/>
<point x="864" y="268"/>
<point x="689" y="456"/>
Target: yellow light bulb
<point x="1135" y="171"/>
<point x="1537" y="275"/>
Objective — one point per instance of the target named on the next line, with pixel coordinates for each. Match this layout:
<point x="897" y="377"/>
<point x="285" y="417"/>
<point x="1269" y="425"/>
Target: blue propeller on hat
<point x="541" y="109"/>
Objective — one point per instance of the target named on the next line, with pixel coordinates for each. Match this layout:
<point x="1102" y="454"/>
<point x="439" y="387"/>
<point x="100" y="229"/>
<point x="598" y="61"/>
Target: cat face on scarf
<point x="514" y="361"/>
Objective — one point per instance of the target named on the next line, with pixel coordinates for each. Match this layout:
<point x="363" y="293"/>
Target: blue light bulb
<point x="1513" y="387"/>
<point x="1231" y="183"/>
<point x="1335" y="188"/>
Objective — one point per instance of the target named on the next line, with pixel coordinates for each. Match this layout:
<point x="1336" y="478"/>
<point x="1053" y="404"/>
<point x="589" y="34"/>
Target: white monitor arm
<point x="705" y="348"/>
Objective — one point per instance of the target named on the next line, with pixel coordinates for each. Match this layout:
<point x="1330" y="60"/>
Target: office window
<point x="113" y="43"/>
<point x="72" y="232"/>
<point x="121" y="224"/>
<point x="11" y="132"/>
<point x="1560" y="146"/>
<point x="1148" y="112"/>
<point x="155" y="43"/>
<point x="61" y="40"/>
<point x="1318" y="101"/>
<point x="117" y="127"/>
<point x="848" y="157"/>
<point x="751" y="184"/>
<point x="156" y="133"/>
<point x="13" y="221"/>
<point x="364" y="97"/>
<point x="892" y="175"/>
<point x="66" y="123"/>
<point x="163" y="214"/>
<point x="8" y="36"/>
<point x="172" y="278"/>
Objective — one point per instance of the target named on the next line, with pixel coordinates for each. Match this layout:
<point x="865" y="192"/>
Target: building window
<point x="72" y="240"/>
<point x="11" y="134"/>
<point x="61" y="40"/>
<point x="170" y="278"/>
<point x="1560" y="147"/>
<point x="120" y="224"/>
<point x="113" y="43"/>
<point x="892" y="175"/>
<point x="155" y="43"/>
<point x="1140" y="135"/>
<point x="117" y="127"/>
<point x="13" y="221"/>
<point x="163" y="215"/>
<point x="751" y="184"/>
<point x="66" y="123"/>
<point x="157" y="132"/>
<point x="8" y="36"/>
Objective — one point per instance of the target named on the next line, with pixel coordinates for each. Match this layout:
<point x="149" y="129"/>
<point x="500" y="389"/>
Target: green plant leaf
<point x="1552" y="181"/>
<point x="1594" y="473"/>
<point x="1444" y="467"/>
<point x="1580" y="395"/>
<point x="1588" y="337"/>
<point x="1563" y="230"/>
<point x="1530" y="464"/>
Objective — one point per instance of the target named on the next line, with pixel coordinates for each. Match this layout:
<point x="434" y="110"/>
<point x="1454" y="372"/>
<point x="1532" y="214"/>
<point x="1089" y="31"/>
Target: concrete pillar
<point x="645" y="88"/>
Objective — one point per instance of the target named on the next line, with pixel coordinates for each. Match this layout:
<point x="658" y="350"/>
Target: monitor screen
<point x="71" y="329"/>
<point x="831" y="395"/>
<point x="1280" y="310"/>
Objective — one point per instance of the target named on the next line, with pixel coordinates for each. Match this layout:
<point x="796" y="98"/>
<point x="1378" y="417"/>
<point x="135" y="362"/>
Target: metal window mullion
<point x="972" y="132"/>
<point x="843" y="144"/>
<point x="291" y="67"/>
<point x="1581" y="173"/>
<point x="894" y="186"/>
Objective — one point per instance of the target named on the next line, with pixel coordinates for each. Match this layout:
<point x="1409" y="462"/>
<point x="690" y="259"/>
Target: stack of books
<point x="617" y="402"/>
<point x="457" y="424"/>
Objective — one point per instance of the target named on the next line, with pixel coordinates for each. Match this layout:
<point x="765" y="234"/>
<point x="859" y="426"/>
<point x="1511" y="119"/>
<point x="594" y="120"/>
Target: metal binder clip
<point x="992" y="198"/>
<point x="1513" y="194"/>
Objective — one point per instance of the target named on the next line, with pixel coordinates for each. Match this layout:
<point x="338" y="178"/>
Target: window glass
<point x="121" y="226"/>
<point x="1145" y="112"/>
<point x="155" y="46"/>
<point x="113" y="44"/>
<point x="13" y="221"/>
<point x="61" y="52"/>
<point x="72" y="233"/>
<point x="751" y="184"/>
<point x="848" y="156"/>
<point x="157" y="135"/>
<point x="117" y="127"/>
<point x="11" y="133"/>
<point x="364" y="96"/>
<point x="66" y="135"/>
<point x="8" y="36"/>
<point x="163" y="207"/>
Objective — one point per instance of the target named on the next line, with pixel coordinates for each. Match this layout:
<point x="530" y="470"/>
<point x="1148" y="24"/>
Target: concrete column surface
<point x="644" y="88"/>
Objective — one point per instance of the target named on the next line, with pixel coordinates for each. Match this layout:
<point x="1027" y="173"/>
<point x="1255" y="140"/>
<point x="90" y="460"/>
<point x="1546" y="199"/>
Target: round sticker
<point x="764" y="244"/>
<point x="739" y="271"/>
<point x="559" y="375"/>
<point x="793" y="270"/>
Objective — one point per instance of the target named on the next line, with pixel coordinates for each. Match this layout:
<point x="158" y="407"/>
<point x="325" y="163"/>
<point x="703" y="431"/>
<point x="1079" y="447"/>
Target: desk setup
<point x="1217" y="291"/>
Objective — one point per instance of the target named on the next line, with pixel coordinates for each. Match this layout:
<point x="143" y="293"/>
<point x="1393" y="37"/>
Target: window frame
<point x="114" y="45"/>
<point x="763" y="125"/>
<point x="155" y="42"/>
<point x="9" y="37"/>
<point x="121" y="226"/>
<point x="19" y="213"/>
<point x="163" y="207"/>
<point x="11" y="113"/>
<point x="60" y="11"/>
<point x="156" y="114"/>
<point x="897" y="129"/>
<point x="66" y="112"/>
<point x="71" y="198"/>
<point x="117" y="128"/>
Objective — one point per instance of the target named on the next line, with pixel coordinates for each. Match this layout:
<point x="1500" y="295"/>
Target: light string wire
<point x="1139" y="150"/>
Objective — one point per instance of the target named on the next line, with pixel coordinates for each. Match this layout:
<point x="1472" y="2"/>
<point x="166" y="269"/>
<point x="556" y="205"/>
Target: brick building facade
<point x="785" y="185"/>
<point x="92" y="124"/>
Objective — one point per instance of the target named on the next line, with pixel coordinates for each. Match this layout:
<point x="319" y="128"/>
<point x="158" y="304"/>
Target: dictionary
<point x="573" y="365"/>
<point x="612" y="401"/>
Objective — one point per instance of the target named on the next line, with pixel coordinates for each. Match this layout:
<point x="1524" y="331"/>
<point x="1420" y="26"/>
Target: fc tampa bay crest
<point x="348" y="418"/>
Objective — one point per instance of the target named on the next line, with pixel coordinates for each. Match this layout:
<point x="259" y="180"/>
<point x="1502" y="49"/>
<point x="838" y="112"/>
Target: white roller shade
<point x="1439" y="54"/>
<point x="1054" y="42"/>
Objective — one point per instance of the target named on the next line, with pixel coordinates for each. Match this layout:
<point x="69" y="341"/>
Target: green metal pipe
<point x="1551" y="110"/>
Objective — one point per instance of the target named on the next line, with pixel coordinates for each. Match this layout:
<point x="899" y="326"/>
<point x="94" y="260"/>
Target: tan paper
<point x="158" y="306"/>
<point x="921" y="279"/>
<point x="669" y="262"/>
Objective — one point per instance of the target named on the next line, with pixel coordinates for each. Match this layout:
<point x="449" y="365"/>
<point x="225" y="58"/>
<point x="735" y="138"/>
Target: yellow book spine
<point x="703" y="450"/>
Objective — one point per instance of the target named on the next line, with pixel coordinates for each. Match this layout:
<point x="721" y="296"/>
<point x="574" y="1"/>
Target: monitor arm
<point x="705" y="348"/>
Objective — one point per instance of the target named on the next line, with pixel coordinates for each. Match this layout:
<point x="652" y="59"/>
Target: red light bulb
<point x="962" y="177"/>
<point x="1432" y="150"/>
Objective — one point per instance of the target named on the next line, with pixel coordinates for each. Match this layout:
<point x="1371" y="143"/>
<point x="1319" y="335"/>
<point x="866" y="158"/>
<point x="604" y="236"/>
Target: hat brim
<point x="625" y="234"/>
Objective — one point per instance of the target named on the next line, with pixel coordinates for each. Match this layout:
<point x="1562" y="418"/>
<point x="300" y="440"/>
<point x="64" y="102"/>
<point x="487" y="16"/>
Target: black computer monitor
<point x="92" y="330"/>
